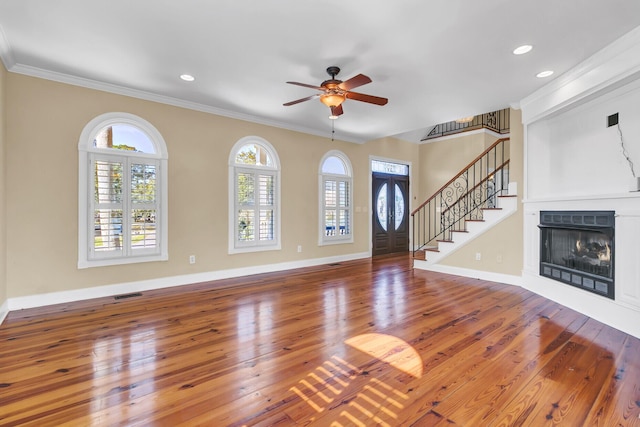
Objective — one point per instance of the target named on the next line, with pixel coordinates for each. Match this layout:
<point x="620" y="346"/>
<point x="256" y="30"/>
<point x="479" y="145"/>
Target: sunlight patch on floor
<point x="374" y="401"/>
<point x="391" y="350"/>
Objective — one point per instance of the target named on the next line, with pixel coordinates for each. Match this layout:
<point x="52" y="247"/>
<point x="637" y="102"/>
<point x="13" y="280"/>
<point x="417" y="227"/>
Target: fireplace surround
<point x="578" y="248"/>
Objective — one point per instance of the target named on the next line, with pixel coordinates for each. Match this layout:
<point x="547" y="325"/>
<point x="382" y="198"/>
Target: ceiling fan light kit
<point x="335" y="92"/>
<point x="332" y="99"/>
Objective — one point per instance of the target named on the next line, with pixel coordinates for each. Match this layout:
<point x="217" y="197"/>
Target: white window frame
<point x="235" y="245"/>
<point x="87" y="153"/>
<point x="323" y="239"/>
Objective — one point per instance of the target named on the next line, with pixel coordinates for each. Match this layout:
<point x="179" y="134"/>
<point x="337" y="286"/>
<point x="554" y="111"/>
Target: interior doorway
<point x="390" y="196"/>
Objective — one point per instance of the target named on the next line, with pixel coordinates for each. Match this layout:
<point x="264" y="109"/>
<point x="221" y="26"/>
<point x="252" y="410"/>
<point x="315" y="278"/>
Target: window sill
<point x="120" y="261"/>
<point x="335" y="241"/>
<point x="249" y="249"/>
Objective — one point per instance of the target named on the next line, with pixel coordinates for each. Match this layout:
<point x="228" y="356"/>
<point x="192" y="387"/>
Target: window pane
<point x="246" y="186"/>
<point x="143" y="183"/>
<point x="252" y="154"/>
<point x="330" y="222"/>
<point x="344" y="194"/>
<point x="381" y="204"/>
<point x="124" y="137"/>
<point x="108" y="230"/>
<point x="330" y="195"/>
<point x="399" y="207"/>
<point x="245" y="225"/>
<point x="143" y="228"/>
<point x="334" y="165"/>
<point x="266" y="224"/>
<point x="344" y="222"/>
<point x="108" y="182"/>
<point x="266" y="190"/>
<point x="388" y="167"/>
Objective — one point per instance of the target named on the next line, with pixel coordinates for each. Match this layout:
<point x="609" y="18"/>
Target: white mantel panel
<point x="627" y="273"/>
<point x="576" y="154"/>
<point x="531" y="240"/>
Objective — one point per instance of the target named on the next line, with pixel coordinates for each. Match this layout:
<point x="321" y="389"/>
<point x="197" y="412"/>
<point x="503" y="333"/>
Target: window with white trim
<point x="254" y="196"/>
<point x="122" y="192"/>
<point x="335" y="199"/>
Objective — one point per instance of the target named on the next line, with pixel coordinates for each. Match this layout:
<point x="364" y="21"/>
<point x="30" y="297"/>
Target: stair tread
<point x="420" y="255"/>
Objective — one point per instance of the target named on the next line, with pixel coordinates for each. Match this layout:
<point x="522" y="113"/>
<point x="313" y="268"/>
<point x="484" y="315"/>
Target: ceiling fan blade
<point x="354" y="82"/>
<point x="297" y="101"/>
<point x="367" y="98"/>
<point x="336" y="111"/>
<point x="306" y="85"/>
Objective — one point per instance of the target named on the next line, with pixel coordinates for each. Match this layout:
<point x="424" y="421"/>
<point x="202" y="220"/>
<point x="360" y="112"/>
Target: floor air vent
<point x="135" y="294"/>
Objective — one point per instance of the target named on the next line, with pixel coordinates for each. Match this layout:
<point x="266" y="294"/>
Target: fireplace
<point x="577" y="248"/>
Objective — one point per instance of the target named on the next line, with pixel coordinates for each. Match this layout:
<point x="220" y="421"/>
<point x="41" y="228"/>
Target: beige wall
<point x="3" y="222"/>
<point x="442" y="159"/>
<point x="44" y="120"/>
<point x="501" y="248"/>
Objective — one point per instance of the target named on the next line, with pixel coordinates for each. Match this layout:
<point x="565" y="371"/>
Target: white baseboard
<point x="4" y="310"/>
<point x="41" y="300"/>
<point x="474" y="274"/>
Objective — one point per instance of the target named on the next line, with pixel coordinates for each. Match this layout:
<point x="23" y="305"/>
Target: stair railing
<point x="475" y="188"/>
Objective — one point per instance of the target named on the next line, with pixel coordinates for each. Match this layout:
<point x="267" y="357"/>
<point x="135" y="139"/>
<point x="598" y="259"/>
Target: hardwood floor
<point x="357" y="343"/>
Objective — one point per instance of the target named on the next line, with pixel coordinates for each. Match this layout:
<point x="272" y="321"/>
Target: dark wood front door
<point x="390" y="213"/>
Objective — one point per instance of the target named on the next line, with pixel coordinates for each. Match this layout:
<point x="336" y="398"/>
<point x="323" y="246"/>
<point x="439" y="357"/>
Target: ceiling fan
<point x="334" y="92"/>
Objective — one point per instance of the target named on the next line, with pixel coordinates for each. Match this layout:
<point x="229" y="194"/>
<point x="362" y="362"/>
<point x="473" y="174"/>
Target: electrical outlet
<point x="192" y="259"/>
<point x="499" y="259"/>
<point x="299" y="248"/>
<point x="478" y="256"/>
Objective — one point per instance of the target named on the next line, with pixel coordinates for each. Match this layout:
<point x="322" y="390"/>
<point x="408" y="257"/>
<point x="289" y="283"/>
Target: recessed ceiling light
<point x="187" y="77"/>
<point x="522" y="49"/>
<point x="543" y="74"/>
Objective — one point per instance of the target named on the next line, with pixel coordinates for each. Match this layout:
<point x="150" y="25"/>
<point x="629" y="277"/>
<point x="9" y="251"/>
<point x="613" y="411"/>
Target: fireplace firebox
<point x="577" y="248"/>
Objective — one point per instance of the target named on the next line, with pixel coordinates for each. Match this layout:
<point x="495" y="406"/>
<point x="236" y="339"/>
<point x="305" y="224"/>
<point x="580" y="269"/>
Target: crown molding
<point x="5" y="52"/>
<point x="148" y="96"/>
<point x="615" y="65"/>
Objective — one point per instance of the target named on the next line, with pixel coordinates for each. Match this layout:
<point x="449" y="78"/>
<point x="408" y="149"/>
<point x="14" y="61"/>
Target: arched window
<point x="122" y="192"/>
<point x="335" y="199"/>
<point x="254" y="196"/>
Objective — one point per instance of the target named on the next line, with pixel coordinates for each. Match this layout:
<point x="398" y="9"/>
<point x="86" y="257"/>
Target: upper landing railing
<point x="496" y="121"/>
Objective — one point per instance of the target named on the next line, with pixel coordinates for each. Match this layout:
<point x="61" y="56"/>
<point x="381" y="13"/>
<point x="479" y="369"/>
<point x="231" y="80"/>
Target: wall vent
<point x="135" y="294"/>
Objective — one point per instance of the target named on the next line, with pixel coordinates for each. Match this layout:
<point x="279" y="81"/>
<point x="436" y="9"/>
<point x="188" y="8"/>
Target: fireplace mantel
<point x="622" y="312"/>
<point x="573" y="161"/>
<point x="583" y="198"/>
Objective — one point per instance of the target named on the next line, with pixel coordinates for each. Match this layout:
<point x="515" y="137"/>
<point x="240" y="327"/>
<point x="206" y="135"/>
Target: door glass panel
<point x="399" y="208"/>
<point x="381" y="204"/>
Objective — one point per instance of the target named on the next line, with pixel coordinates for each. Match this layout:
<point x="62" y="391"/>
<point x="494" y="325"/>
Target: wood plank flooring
<point x="359" y="343"/>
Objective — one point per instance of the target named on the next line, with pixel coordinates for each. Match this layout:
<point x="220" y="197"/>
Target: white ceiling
<point x="435" y="60"/>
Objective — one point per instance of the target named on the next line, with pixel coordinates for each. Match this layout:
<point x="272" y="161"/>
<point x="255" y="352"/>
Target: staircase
<point x="472" y="202"/>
